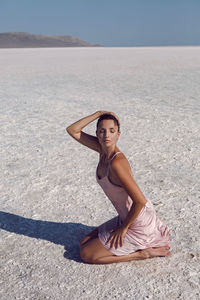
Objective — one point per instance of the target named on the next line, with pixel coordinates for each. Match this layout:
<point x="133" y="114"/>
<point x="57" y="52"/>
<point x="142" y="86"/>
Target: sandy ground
<point x="49" y="196"/>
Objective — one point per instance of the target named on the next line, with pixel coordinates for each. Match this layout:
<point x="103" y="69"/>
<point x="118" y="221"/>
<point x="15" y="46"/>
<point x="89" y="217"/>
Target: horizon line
<point x="114" y="46"/>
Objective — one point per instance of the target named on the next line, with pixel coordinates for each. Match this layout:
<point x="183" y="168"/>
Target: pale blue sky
<point x="107" y="22"/>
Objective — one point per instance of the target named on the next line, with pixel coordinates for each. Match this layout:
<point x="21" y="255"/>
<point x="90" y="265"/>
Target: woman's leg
<point x="90" y="236"/>
<point x="95" y="253"/>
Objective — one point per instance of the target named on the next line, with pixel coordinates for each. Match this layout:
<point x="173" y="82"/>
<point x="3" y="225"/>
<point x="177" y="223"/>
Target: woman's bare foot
<point x="153" y="252"/>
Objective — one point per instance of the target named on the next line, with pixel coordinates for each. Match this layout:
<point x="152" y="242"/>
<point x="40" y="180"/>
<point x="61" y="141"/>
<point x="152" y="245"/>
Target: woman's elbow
<point x="140" y="204"/>
<point x="143" y="202"/>
<point x="72" y="133"/>
<point x="69" y="131"/>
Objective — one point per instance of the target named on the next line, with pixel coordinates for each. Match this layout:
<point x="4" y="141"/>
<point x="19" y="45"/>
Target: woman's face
<point x="107" y="133"/>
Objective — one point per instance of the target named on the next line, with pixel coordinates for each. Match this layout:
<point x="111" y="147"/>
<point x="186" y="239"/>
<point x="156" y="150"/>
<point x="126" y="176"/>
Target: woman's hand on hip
<point x="117" y="238"/>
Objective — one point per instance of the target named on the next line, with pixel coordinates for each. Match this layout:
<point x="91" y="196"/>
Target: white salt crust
<point x="49" y="196"/>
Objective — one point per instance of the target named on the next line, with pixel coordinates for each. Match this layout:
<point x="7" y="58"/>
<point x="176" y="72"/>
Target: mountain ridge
<point x="28" y="40"/>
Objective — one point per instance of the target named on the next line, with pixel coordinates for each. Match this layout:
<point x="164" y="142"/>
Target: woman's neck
<point x="108" y="152"/>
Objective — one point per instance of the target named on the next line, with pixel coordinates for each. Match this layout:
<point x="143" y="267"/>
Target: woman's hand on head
<point x="104" y="112"/>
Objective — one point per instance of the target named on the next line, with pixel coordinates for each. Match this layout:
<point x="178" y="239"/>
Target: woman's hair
<point x="108" y="117"/>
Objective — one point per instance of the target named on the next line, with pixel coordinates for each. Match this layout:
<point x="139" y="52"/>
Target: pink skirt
<point x="146" y="231"/>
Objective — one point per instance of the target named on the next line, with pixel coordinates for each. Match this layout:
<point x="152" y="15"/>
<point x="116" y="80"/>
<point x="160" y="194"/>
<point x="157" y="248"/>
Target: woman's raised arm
<point x="75" y="130"/>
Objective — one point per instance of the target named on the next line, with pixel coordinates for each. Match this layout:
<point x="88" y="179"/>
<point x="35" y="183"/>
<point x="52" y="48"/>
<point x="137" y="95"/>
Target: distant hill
<point x="27" y="40"/>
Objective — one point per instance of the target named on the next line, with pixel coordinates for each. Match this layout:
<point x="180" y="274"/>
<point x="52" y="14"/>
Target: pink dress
<point x="146" y="231"/>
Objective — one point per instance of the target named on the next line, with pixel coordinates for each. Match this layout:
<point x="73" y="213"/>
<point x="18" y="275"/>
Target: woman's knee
<point x="85" y="255"/>
<point x="92" y="251"/>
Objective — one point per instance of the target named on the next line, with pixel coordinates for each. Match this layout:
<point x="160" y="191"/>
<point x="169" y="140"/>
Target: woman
<point x="136" y="233"/>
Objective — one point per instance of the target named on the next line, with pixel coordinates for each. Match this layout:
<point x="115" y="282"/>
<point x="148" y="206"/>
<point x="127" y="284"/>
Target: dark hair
<point x="108" y="117"/>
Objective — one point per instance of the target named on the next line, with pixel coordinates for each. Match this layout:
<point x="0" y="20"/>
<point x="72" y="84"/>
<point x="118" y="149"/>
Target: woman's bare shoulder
<point x="121" y="169"/>
<point x="120" y="162"/>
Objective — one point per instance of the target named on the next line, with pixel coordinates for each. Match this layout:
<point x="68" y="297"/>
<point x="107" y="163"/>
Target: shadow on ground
<point x="66" y="234"/>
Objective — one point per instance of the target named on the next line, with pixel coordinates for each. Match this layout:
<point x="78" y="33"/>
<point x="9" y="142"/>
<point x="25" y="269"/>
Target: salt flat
<point x="49" y="197"/>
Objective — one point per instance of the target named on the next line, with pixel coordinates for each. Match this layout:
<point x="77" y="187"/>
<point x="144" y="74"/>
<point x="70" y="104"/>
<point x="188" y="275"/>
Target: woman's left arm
<point x="121" y="168"/>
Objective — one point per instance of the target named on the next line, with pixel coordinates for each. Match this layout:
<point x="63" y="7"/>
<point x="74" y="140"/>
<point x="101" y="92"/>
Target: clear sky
<point x="107" y="22"/>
